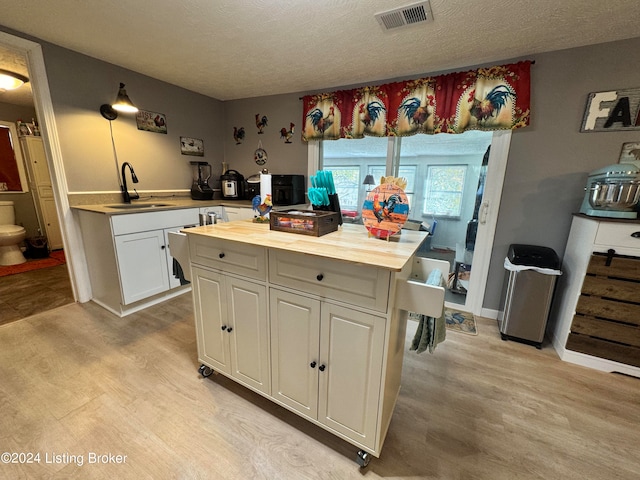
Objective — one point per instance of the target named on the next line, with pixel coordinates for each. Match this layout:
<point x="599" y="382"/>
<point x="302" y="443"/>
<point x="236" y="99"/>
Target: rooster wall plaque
<point x="261" y="122"/>
<point x="260" y="155"/>
<point x="287" y="134"/>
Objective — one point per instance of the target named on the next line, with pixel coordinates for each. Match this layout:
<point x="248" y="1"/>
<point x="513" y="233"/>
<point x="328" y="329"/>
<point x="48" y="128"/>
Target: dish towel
<point x="431" y="331"/>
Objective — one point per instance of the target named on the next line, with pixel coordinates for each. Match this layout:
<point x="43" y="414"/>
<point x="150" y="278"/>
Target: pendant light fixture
<point x="122" y="104"/>
<point x="10" y="80"/>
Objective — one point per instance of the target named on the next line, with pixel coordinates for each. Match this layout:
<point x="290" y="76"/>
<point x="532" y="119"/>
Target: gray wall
<point x="281" y="110"/>
<point x="548" y="162"/>
<point x="80" y="84"/>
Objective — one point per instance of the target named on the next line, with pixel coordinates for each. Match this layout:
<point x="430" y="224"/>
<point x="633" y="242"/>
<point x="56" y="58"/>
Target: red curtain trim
<point x="493" y="98"/>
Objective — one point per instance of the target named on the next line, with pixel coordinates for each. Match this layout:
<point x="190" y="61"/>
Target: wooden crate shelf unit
<point x="607" y="319"/>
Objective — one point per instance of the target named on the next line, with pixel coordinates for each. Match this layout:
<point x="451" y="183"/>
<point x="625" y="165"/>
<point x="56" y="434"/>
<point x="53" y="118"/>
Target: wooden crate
<point x="607" y="319"/>
<point x="306" y="222"/>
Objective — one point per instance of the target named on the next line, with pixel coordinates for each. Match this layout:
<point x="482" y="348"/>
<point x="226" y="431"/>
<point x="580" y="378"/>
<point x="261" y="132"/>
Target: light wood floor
<point x="77" y="380"/>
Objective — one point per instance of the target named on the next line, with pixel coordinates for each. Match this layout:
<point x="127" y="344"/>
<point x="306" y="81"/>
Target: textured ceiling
<point x="230" y="49"/>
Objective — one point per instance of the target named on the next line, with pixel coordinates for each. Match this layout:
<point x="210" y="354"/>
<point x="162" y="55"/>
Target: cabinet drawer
<point x="613" y="235"/>
<point x="362" y="285"/>
<point x="145" y="221"/>
<point x="234" y="257"/>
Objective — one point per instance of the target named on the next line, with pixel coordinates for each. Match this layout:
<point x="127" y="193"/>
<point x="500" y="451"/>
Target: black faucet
<point x="126" y="196"/>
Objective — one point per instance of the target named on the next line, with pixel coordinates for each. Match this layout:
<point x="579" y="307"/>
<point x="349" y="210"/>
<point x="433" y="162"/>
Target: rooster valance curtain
<point x="495" y="98"/>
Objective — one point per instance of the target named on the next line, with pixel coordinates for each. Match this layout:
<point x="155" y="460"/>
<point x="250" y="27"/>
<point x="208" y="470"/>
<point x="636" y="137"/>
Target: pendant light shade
<point x="10" y="80"/>
<point x="123" y="103"/>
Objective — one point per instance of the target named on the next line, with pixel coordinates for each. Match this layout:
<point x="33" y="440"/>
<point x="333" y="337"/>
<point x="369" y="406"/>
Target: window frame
<point x="459" y="192"/>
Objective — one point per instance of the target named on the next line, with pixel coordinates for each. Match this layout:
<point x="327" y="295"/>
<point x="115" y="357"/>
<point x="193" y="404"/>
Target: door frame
<point x="71" y="236"/>
<point x="487" y="217"/>
<point x="487" y="222"/>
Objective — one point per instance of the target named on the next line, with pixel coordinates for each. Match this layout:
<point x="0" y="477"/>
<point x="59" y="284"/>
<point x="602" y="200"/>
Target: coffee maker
<point x="200" y="189"/>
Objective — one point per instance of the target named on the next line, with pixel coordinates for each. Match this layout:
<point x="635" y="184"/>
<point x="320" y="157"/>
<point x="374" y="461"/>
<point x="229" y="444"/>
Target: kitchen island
<point x="316" y="324"/>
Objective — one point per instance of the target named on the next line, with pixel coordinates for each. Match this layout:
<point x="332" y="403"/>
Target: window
<point x="442" y="172"/>
<point x="444" y="187"/>
<point x="347" y="182"/>
<point x="350" y="161"/>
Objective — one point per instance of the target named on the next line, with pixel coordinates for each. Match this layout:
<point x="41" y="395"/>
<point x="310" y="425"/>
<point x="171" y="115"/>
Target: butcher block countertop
<point x="351" y="243"/>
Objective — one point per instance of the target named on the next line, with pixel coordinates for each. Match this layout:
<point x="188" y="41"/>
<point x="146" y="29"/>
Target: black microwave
<point x="287" y="189"/>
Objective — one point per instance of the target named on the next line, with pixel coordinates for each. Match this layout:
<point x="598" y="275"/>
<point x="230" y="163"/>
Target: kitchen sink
<point x="135" y="206"/>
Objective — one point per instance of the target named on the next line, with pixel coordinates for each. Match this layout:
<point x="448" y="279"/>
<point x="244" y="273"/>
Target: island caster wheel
<point x="363" y="458"/>
<point x="205" y="371"/>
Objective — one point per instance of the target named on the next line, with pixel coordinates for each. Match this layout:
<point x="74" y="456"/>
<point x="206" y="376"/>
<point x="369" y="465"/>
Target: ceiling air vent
<point x="404" y="16"/>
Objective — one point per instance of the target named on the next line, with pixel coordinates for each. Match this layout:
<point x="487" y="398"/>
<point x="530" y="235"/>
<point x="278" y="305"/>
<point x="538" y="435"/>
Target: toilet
<point x="11" y="236"/>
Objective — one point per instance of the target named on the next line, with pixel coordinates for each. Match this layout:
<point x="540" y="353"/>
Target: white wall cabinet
<point x="129" y="262"/>
<point x="42" y="190"/>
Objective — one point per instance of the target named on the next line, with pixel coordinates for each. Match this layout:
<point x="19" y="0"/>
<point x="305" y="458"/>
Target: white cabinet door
<point x="51" y="224"/>
<point x="351" y="350"/>
<point x="248" y="333"/>
<point x="238" y="213"/>
<point x="295" y="349"/>
<point x="210" y="300"/>
<point x="142" y="265"/>
<point x="42" y="190"/>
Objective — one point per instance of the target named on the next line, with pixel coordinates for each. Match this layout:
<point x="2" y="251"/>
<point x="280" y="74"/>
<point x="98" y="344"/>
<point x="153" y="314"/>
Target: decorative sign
<point x="191" y="146"/>
<point x="385" y="210"/>
<point x="151" y="121"/>
<point x="630" y="152"/>
<point x="260" y="155"/>
<point x="612" y="111"/>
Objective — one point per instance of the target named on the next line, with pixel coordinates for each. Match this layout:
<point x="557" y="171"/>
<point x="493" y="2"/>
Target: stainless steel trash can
<point x="530" y="278"/>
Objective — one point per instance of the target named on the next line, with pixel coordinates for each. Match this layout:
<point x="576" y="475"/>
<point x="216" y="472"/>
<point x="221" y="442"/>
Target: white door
<point x="487" y="221"/>
<point x="295" y="350"/>
<point x="43" y="192"/>
<point x="142" y="265"/>
<point x="210" y="299"/>
<point x="350" y="369"/>
<point x="464" y="152"/>
<point x="248" y="333"/>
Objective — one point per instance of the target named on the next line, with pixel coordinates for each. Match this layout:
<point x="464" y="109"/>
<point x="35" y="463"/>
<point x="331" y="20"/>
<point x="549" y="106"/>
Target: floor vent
<point x="405" y="16"/>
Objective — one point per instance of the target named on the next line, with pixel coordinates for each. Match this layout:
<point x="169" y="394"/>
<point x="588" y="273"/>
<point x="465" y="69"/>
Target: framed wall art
<point x="151" y="121"/>
<point x="630" y="152"/>
<point x="191" y="146"/>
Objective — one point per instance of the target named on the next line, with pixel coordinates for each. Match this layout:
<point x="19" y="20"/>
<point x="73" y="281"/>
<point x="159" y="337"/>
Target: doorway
<point x="41" y="98"/>
<point x="424" y="160"/>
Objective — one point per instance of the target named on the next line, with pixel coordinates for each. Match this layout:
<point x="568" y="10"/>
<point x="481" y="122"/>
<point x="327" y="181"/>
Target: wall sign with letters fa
<point x="612" y="111"/>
